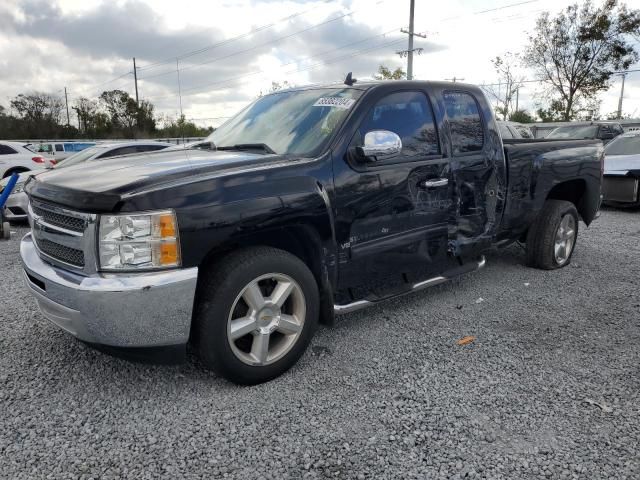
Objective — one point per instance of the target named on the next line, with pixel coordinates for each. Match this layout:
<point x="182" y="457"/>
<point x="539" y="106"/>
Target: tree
<point x="40" y="113"/>
<point x="122" y="110"/>
<point x="521" y="116"/>
<point x="576" y="52"/>
<point x="384" y="73"/>
<point x="86" y="110"/>
<point x="510" y="82"/>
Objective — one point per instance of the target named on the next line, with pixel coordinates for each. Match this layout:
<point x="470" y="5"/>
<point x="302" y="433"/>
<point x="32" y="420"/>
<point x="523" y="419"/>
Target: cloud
<point x="88" y="46"/>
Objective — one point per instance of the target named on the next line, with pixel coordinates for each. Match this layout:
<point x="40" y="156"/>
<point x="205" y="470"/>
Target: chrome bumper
<point x="120" y="310"/>
<point x="16" y="202"/>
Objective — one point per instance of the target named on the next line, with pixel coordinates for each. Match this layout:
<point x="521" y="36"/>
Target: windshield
<point x="624" y="146"/>
<point x="585" y="131"/>
<point x="79" y="157"/>
<point x="294" y="122"/>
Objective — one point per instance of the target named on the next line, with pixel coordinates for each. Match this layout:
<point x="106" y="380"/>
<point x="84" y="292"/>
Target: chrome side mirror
<point x="380" y="145"/>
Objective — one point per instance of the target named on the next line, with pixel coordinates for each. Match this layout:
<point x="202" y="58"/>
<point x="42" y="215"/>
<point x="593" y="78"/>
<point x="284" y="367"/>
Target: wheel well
<point x="14" y="170"/>
<point x="571" y="191"/>
<point x="301" y="241"/>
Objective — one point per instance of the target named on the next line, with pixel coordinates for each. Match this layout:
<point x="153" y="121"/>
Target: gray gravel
<point x="549" y="389"/>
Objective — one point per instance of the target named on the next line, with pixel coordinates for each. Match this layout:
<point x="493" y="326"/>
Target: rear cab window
<point x="465" y="123"/>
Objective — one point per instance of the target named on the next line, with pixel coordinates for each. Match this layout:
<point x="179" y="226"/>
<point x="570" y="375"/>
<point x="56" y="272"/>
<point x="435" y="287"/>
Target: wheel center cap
<point x="268" y="317"/>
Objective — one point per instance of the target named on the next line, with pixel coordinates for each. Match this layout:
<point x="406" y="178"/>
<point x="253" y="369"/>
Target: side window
<point x="6" y="150"/>
<point x="464" y="121"/>
<point x="409" y="115"/>
<point x="150" y="148"/>
<point x="59" y="147"/>
<point x="119" y="151"/>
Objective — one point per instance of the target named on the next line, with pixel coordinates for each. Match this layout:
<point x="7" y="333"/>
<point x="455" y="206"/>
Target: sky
<point x="221" y="54"/>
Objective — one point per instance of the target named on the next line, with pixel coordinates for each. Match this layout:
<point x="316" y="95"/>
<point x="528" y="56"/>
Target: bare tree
<point x="576" y="52"/>
<point x="509" y="83"/>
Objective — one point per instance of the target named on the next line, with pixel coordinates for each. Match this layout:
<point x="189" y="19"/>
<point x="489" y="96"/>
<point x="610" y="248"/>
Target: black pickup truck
<point x="310" y="202"/>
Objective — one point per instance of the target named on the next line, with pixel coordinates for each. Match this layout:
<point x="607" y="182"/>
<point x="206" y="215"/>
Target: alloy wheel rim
<point x="565" y="239"/>
<point x="266" y="319"/>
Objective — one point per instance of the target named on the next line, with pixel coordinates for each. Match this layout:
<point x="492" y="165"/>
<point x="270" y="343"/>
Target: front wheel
<point x="257" y="311"/>
<point x="552" y="236"/>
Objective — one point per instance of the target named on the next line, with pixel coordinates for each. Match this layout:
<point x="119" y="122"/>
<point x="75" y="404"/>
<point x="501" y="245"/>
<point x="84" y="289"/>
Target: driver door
<point x="392" y="214"/>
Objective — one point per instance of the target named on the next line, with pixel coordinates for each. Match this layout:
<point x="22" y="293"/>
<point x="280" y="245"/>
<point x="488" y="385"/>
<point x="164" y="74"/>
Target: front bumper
<point x="17" y="207"/>
<point x="117" y="310"/>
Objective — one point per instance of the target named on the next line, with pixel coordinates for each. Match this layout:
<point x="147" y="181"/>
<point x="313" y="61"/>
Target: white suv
<point x="17" y="157"/>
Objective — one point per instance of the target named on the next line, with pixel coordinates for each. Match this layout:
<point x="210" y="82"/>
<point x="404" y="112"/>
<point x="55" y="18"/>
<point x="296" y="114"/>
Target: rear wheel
<point x="257" y="312"/>
<point x="552" y="237"/>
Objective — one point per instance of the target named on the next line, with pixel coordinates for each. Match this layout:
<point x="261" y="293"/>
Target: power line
<point x="293" y="62"/>
<point x="270" y="42"/>
<point x="232" y="39"/>
<point x="311" y="67"/>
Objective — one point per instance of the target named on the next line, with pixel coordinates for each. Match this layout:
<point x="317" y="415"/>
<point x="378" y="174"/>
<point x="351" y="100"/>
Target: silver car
<point x="17" y="204"/>
<point x="622" y="170"/>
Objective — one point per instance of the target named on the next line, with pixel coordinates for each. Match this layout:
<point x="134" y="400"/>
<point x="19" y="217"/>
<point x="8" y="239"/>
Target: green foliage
<point x="181" y="128"/>
<point x="576" y="52"/>
<point x="114" y="114"/>
<point x="521" y="116"/>
<point x="384" y="73"/>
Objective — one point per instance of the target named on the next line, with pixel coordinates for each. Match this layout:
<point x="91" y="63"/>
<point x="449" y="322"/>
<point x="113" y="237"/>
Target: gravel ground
<point x="550" y="388"/>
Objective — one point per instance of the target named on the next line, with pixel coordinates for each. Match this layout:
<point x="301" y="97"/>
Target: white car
<point x="621" y="183"/>
<point x="17" y="157"/>
<point x="61" y="150"/>
<point x="17" y="204"/>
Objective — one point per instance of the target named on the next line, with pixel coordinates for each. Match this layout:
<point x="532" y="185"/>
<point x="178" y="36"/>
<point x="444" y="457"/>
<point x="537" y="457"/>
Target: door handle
<point x="434" y="183"/>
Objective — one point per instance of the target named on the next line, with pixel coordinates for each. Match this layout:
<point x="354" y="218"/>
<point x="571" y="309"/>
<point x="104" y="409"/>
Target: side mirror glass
<point x="380" y="145"/>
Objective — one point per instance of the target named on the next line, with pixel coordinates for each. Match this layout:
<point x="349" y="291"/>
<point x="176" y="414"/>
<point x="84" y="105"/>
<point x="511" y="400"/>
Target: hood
<point x="621" y="164"/>
<point x="99" y="185"/>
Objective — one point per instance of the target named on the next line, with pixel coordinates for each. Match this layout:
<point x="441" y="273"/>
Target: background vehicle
<point x="605" y="131"/>
<point x="622" y="170"/>
<point x="16" y="207"/>
<point x="510" y="130"/>
<point x="314" y="201"/>
<point x="17" y="157"/>
<point x="61" y="150"/>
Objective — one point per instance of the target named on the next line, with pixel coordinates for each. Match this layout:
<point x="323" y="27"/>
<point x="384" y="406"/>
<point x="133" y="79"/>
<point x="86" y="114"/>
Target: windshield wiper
<point x="248" y="146"/>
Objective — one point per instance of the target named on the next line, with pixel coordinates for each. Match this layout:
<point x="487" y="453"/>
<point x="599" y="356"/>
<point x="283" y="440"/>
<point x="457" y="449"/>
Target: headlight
<point x="19" y="188"/>
<point x="139" y="241"/>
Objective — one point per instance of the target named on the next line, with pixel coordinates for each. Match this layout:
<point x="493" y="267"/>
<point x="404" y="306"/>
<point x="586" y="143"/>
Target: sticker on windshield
<point x="337" y="102"/>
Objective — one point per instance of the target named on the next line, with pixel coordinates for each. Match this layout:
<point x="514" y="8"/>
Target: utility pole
<point x="409" y="51"/>
<point x="179" y="88"/>
<point x="135" y="78"/>
<point x="517" y="97"/>
<point x="180" y="98"/>
<point x="66" y="102"/>
<point x="624" y="75"/>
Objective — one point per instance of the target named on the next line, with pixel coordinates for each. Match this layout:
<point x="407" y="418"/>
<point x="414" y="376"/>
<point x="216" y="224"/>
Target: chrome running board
<point x="360" y="304"/>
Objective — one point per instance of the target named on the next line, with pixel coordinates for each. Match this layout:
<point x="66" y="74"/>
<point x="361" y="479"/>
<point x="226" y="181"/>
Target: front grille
<point x="60" y="220"/>
<point x="62" y="253"/>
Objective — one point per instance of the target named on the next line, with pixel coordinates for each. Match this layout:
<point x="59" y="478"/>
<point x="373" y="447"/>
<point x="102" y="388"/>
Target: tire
<point x="557" y="224"/>
<point x="221" y="299"/>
